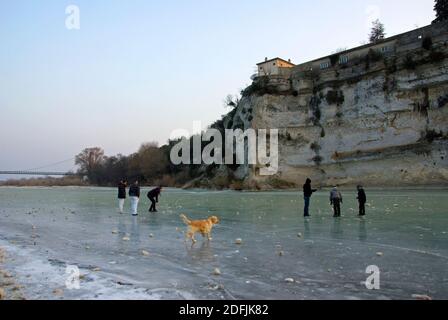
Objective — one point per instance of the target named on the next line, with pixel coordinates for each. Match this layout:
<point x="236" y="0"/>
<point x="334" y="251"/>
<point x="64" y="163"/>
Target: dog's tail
<point x="185" y="219"/>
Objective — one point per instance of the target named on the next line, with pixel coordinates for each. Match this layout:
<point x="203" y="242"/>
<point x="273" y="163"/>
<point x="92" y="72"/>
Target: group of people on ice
<point x="134" y="195"/>
<point x="154" y="194"/>
<point x="335" y="199"/>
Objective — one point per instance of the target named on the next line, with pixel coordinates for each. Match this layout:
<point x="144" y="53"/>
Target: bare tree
<point x="89" y="159"/>
<point x="231" y="101"/>
<point x="378" y="31"/>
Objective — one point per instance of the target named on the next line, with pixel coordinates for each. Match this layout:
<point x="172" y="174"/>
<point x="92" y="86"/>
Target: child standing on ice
<point x="335" y="201"/>
<point x="362" y="199"/>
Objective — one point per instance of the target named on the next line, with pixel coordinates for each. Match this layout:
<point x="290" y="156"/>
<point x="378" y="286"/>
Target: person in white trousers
<point x="134" y="194"/>
<point x="121" y="195"/>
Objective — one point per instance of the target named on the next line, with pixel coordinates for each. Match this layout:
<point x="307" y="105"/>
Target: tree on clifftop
<point x="441" y="9"/>
<point x="378" y="32"/>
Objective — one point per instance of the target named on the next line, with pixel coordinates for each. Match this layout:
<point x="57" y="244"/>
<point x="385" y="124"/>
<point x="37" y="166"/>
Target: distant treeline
<point x="150" y="165"/>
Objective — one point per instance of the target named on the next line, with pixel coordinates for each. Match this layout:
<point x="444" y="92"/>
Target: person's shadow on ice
<point x="135" y="230"/>
<point x="336" y="229"/>
<point x="362" y="230"/>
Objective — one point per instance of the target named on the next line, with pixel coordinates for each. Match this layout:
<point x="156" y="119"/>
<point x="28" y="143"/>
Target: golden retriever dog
<point x="203" y="227"/>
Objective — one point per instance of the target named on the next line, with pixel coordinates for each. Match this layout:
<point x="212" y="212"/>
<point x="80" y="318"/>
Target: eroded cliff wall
<point x="381" y="119"/>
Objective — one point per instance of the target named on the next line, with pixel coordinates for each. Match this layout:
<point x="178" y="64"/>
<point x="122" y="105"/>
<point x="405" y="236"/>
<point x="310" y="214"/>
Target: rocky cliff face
<point x="381" y="120"/>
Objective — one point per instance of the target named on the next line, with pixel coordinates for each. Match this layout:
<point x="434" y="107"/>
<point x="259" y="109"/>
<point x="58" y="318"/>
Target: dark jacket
<point x="307" y="191"/>
<point x="122" y="190"/>
<point x="154" y="193"/>
<point x="362" y="196"/>
<point x="134" y="191"/>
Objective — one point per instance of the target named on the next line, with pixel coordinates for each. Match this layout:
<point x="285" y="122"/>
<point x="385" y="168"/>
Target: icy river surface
<point x="50" y="233"/>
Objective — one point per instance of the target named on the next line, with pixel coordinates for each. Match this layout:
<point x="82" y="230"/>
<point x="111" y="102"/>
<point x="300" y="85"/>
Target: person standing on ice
<point x="153" y="196"/>
<point x="134" y="194"/>
<point x="121" y="194"/>
<point x="335" y="201"/>
<point x="362" y="199"/>
<point x="307" y="193"/>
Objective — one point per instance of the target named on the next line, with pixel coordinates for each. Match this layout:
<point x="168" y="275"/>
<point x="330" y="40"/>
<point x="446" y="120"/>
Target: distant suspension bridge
<point x="38" y="172"/>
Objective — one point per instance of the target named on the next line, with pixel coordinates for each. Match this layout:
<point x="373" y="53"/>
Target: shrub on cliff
<point x="322" y="133"/>
<point x="231" y="101"/>
<point x="317" y="160"/>
<point x="442" y="101"/>
<point x="431" y="135"/>
<point x="427" y="43"/>
<point x="409" y="63"/>
<point x="315" y="147"/>
<point x="260" y="87"/>
<point x="372" y="57"/>
<point x="335" y="97"/>
<point x="436" y="56"/>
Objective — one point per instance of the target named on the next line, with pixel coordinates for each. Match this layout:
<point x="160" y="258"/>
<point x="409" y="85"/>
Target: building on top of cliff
<point x="396" y="45"/>
<point x="274" y="67"/>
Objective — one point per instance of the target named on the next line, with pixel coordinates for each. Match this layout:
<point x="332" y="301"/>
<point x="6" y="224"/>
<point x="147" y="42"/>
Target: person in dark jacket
<point x="362" y="199"/>
<point x="121" y="194"/>
<point x="307" y="193"/>
<point x="134" y="194"/>
<point x="153" y="196"/>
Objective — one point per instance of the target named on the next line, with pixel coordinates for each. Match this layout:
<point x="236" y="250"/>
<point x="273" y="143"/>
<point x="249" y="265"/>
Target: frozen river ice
<point x="405" y="234"/>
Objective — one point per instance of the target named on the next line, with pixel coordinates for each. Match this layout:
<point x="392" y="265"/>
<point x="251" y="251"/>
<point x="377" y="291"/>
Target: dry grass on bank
<point x="45" y="182"/>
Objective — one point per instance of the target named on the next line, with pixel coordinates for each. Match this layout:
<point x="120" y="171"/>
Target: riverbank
<point x="205" y="185"/>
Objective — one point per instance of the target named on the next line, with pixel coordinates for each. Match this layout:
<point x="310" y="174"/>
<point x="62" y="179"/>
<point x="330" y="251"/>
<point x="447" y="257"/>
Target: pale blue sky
<point x="138" y="69"/>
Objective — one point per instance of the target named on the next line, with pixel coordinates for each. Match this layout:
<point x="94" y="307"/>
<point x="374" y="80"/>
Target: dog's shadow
<point x="202" y="253"/>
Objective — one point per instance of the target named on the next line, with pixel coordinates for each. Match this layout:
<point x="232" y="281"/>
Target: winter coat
<point x="307" y="191"/>
<point x="122" y="190"/>
<point x="134" y="191"/>
<point x="362" y="196"/>
<point x="154" y="193"/>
